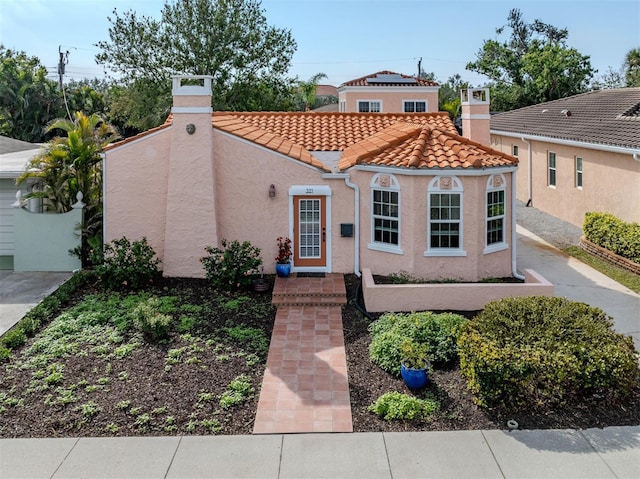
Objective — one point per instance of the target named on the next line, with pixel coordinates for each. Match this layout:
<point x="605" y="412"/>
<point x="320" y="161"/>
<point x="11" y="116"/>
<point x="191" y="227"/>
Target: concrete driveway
<point x="576" y="281"/>
<point x="19" y="292"/>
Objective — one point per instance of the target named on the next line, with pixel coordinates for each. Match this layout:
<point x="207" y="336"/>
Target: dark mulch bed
<point x="149" y="386"/>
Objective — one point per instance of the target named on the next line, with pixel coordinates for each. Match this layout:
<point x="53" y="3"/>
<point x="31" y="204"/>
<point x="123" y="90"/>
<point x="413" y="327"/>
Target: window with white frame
<point x="385" y="213"/>
<point x="495" y="213"/>
<point x="343" y="106"/>
<point x="414" y="106"/>
<point x="369" y="106"/>
<point x="578" y="172"/>
<point x="444" y="225"/>
<point x="514" y="150"/>
<point x="551" y="168"/>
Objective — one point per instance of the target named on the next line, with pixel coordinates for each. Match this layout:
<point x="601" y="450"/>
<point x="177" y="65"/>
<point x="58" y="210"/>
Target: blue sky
<point x="345" y="39"/>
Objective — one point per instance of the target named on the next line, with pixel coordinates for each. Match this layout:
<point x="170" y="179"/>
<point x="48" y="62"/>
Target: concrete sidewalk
<point x="593" y="453"/>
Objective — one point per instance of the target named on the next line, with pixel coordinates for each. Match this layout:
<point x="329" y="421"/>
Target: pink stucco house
<point x="388" y="191"/>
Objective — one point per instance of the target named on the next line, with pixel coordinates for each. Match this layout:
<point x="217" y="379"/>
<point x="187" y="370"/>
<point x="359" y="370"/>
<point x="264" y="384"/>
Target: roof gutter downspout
<point x="514" y="237"/>
<point x="529" y="170"/>
<point x="356" y="205"/>
<point x="636" y="156"/>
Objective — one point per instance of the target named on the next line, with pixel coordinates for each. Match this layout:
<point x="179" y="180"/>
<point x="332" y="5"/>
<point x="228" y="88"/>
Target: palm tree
<point x="70" y="165"/>
<point x="307" y="90"/>
<point x="632" y="67"/>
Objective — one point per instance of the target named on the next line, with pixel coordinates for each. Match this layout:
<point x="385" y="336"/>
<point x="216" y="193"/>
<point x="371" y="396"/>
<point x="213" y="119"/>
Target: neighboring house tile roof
<point x="609" y="117"/>
<point x="386" y="78"/>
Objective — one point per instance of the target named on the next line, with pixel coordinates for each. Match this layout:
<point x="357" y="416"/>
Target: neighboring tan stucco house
<point x="577" y="154"/>
<point x="385" y="191"/>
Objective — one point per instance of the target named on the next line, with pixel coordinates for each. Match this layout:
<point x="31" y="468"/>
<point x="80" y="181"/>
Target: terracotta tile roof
<point x="408" y="140"/>
<point x="609" y="117"/>
<point x="414" y="146"/>
<point x="388" y="75"/>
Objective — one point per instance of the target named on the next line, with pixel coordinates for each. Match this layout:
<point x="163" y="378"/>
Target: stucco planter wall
<point x="450" y="296"/>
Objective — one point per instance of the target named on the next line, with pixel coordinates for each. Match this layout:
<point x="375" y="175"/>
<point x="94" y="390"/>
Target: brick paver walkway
<point x="305" y="386"/>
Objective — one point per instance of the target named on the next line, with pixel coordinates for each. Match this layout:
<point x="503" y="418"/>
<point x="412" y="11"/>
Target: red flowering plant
<point x="284" y="250"/>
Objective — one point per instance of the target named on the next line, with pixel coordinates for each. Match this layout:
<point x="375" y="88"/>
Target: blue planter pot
<point x="415" y="378"/>
<point x="283" y="270"/>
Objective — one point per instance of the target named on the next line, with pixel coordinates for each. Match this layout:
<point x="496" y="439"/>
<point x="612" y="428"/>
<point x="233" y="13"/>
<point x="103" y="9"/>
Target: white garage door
<point x="7" y="198"/>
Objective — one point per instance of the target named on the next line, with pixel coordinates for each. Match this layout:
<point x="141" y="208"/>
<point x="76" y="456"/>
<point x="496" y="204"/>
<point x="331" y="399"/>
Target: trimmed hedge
<point x="613" y="234"/>
<point x="541" y="350"/>
<point x="437" y="331"/>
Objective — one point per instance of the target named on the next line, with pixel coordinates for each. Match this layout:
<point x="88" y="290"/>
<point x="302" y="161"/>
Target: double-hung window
<point x="414" y="106"/>
<point x="369" y="106"/>
<point x="551" y="168"/>
<point x="445" y="220"/>
<point x="578" y="172"/>
<point x="495" y="214"/>
<point x="385" y="214"/>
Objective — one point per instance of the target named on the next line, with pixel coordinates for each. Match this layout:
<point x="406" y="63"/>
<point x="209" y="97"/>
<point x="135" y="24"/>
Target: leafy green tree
<point x="70" y="165"/>
<point x="449" y="95"/>
<point x="227" y="39"/>
<point x="534" y="65"/>
<point x="28" y="100"/>
<point x="632" y="67"/>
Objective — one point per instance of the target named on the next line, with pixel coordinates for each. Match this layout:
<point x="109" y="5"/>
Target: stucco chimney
<point x="476" y="118"/>
<point x="191" y="222"/>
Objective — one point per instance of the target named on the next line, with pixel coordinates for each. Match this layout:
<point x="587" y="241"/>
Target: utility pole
<point x="64" y="59"/>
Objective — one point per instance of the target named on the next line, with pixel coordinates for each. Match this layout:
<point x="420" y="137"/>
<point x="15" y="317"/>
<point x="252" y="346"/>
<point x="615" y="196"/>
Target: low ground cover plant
<point x="117" y="363"/>
<point x="544" y="351"/>
<point x="398" y="406"/>
<point x="436" y="331"/>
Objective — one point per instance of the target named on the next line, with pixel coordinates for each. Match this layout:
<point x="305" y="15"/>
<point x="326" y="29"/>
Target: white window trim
<point x="421" y="100"/>
<point x="580" y="171"/>
<point x="514" y="150"/>
<point x="555" y="169"/>
<point x="456" y="188"/>
<point x="501" y="245"/>
<point x="394" y="185"/>
<point x="369" y="102"/>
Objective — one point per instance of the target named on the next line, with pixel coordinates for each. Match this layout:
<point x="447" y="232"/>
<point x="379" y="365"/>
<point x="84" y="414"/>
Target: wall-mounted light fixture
<point x="272" y="191"/>
<point x="191" y="128"/>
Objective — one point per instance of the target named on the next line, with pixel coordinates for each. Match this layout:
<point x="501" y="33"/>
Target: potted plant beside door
<point x="283" y="260"/>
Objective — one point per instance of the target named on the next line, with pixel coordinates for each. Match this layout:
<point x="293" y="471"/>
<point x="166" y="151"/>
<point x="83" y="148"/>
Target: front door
<point x="310" y="231"/>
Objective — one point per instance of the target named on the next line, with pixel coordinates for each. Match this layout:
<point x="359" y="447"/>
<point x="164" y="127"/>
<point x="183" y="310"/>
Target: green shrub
<point x="539" y="350"/>
<point x="613" y="234"/>
<point x="395" y="405"/>
<point x="126" y="265"/>
<point x="148" y="318"/>
<point x="436" y="331"/>
<point x="5" y="354"/>
<point x="14" y="338"/>
<point x="230" y="267"/>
